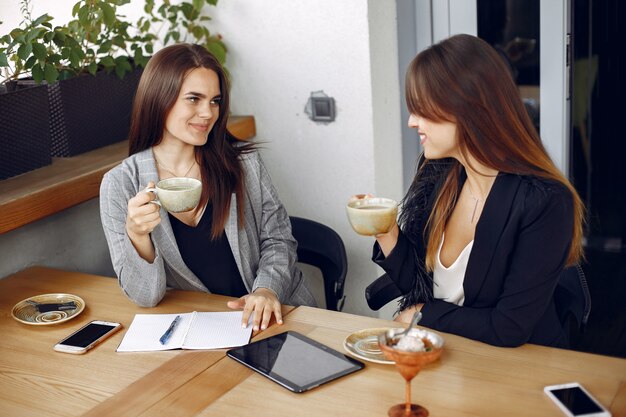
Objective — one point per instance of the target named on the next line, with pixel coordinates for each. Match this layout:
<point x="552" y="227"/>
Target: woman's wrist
<point x="264" y="291"/>
<point x="387" y="241"/>
<point x="143" y="245"/>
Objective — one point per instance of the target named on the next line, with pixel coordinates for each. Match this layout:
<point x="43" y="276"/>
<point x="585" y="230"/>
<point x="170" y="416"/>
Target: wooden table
<point x="471" y="379"/>
<point x="37" y="381"/>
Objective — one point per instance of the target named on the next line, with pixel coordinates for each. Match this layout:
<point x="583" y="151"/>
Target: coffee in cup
<point x="177" y="194"/>
<point x="371" y="216"/>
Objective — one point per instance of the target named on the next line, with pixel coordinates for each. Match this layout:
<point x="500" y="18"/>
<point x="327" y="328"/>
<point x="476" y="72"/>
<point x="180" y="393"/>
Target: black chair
<point x="322" y="247"/>
<point x="380" y="292"/>
<point x="573" y="299"/>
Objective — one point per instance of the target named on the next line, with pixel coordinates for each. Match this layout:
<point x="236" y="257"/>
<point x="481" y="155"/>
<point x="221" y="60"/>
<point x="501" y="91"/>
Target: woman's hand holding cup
<point x="142" y="216"/>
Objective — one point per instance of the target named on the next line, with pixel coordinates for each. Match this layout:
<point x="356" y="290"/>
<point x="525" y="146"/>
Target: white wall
<point x="279" y="52"/>
<point x="282" y="50"/>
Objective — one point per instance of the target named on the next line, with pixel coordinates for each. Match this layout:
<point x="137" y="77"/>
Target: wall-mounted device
<point x="320" y="107"/>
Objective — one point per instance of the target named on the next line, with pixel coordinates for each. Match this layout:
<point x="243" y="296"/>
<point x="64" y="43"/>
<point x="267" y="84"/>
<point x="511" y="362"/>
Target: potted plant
<point x="92" y="64"/>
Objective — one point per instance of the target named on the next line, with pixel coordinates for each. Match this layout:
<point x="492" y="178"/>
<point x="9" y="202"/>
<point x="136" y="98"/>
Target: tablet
<point x="295" y="361"/>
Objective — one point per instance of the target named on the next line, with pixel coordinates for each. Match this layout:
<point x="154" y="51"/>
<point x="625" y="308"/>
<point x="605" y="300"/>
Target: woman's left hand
<point x="263" y="303"/>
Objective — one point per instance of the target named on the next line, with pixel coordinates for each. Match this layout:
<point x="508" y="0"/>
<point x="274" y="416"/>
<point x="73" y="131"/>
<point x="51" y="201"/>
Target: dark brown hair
<point x="220" y="166"/>
<point x="463" y="80"/>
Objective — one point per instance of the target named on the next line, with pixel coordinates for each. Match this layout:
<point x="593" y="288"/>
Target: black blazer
<point x="520" y="247"/>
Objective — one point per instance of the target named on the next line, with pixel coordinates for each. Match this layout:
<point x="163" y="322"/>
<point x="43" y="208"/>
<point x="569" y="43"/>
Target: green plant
<point x="33" y="43"/>
<point x="98" y="38"/>
<point x="186" y="14"/>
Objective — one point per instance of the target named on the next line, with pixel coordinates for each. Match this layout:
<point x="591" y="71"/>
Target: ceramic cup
<point x="178" y="194"/>
<point x="371" y="216"/>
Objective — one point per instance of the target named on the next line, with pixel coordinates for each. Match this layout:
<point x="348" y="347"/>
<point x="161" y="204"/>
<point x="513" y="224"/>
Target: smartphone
<point x="575" y="401"/>
<point x="87" y="337"/>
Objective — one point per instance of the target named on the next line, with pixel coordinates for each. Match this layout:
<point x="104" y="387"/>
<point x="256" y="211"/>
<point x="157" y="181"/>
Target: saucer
<point x="364" y="345"/>
<point x="27" y="313"/>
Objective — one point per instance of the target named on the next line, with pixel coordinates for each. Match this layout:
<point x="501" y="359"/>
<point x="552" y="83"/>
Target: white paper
<point x="196" y="330"/>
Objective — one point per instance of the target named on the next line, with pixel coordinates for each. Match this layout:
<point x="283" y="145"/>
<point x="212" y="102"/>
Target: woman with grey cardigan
<point x="238" y="240"/>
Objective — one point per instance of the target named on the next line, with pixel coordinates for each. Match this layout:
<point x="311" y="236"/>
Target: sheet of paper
<point x="217" y="331"/>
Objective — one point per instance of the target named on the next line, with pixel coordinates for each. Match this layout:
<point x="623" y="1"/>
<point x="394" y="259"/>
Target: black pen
<point x="169" y="331"/>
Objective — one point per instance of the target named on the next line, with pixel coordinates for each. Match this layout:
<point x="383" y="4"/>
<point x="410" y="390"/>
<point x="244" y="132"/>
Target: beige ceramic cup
<point x="371" y="216"/>
<point x="178" y="194"/>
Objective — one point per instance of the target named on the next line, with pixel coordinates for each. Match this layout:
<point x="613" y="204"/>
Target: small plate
<point x="27" y="313"/>
<point x="364" y="345"/>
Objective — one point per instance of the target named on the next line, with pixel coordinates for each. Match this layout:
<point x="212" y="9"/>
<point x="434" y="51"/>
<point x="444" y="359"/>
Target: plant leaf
<point x="107" y="61"/>
<point x="108" y="13"/>
<point x="50" y="74"/>
<point x="37" y="74"/>
<point x="93" y="67"/>
<point x="39" y="51"/>
<point x="44" y="18"/>
<point x="75" y="9"/>
<point x="17" y="33"/>
<point x="24" y="51"/>
<point x="105" y="47"/>
<point x="30" y="62"/>
<point x="34" y="34"/>
<point x="218" y="50"/>
<point x="197" y="32"/>
<point x="83" y="15"/>
<point x="149" y="6"/>
<point x="75" y="57"/>
<point x="3" y="60"/>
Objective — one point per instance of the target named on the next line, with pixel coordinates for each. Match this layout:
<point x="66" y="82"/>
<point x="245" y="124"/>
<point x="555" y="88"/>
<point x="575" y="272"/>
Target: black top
<point x="211" y="260"/>
<point x="520" y="246"/>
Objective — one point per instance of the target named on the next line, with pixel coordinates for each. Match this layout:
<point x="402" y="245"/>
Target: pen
<point x="169" y="331"/>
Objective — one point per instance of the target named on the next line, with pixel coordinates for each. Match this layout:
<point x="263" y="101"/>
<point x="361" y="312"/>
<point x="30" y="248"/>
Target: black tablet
<point x="295" y="361"/>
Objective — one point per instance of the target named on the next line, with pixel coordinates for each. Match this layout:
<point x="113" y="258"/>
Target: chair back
<point x="381" y="292"/>
<point x="322" y="247"/>
<point x="573" y="299"/>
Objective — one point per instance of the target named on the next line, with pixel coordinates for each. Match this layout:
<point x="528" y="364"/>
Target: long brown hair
<point x="220" y="167"/>
<point x="462" y="79"/>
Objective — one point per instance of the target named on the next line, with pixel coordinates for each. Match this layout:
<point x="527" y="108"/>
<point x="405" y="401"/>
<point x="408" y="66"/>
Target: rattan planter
<point x="24" y="131"/>
<point x="89" y="112"/>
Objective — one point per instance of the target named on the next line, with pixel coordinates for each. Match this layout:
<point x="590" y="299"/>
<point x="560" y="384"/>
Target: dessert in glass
<point x="410" y="353"/>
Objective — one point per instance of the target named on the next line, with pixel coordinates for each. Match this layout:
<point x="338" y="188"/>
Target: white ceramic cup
<point x="373" y="215"/>
<point x="177" y="194"/>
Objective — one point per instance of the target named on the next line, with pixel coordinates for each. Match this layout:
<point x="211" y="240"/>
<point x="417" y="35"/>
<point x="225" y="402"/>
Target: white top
<point x="448" y="282"/>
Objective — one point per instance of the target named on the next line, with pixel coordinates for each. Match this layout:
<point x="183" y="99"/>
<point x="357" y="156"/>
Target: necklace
<point x="172" y="172"/>
<point x="476" y="201"/>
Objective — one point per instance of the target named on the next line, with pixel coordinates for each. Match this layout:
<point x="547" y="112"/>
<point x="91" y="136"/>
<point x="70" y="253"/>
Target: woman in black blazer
<point x="489" y="221"/>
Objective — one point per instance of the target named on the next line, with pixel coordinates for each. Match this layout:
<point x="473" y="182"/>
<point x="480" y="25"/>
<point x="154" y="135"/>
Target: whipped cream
<point x="410" y="343"/>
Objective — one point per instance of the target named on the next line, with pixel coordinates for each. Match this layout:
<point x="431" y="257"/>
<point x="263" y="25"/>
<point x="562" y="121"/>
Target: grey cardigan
<point x="264" y="249"/>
